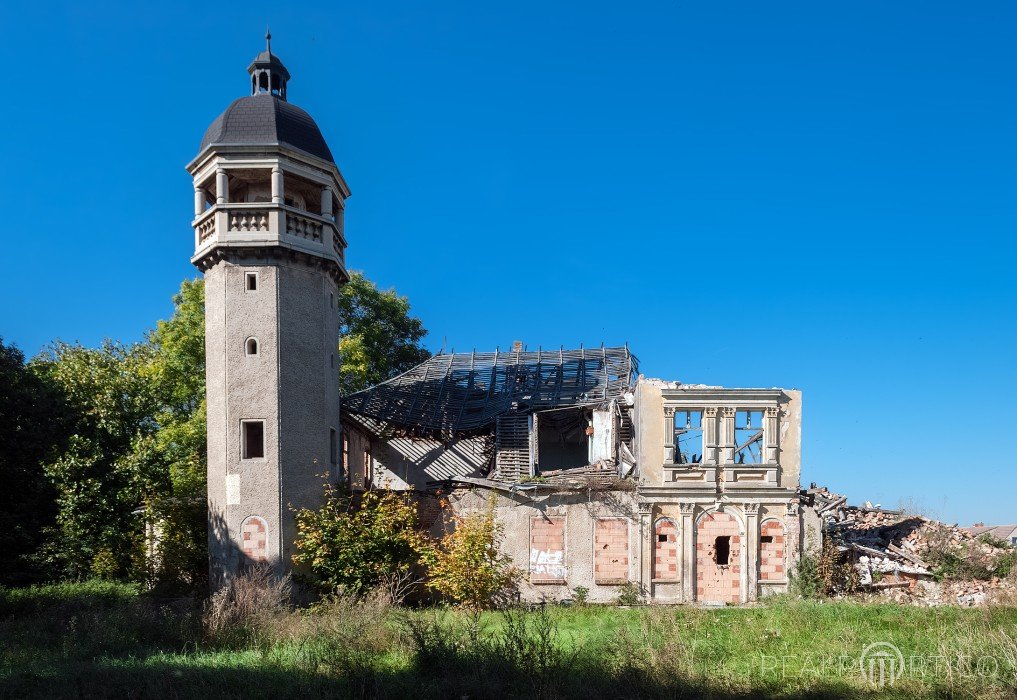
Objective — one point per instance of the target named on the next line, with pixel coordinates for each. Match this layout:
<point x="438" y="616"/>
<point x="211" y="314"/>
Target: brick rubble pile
<point x="901" y="555"/>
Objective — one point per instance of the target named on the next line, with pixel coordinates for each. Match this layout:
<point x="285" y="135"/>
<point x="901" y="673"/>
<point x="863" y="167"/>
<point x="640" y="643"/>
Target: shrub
<point x="466" y="565"/>
<point x="838" y="575"/>
<point x="581" y="595"/>
<point x="806" y="581"/>
<point x="355" y="542"/>
<point x="628" y="594"/>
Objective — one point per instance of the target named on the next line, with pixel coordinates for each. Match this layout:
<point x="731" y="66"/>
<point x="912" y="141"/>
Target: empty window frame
<point x="368" y="469"/>
<point x="251" y="346"/>
<point x="563" y="439"/>
<point x="748" y="437"/>
<point x="688" y="437"/>
<point x="347" y="476"/>
<point x="252" y="439"/>
<point x="251" y="281"/>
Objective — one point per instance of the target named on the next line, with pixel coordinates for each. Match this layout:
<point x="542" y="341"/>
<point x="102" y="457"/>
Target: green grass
<point x="108" y="640"/>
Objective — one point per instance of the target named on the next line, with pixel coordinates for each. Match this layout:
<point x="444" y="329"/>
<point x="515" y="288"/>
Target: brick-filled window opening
<point x="252" y="439"/>
<point x="688" y="437"/>
<point x="254" y="539"/>
<point x="722" y="550"/>
<point x="748" y="437"/>
<point x="547" y="550"/>
<point x="611" y="551"/>
<point x="665" y="555"/>
<point x="771" y="551"/>
<point x="251" y="281"/>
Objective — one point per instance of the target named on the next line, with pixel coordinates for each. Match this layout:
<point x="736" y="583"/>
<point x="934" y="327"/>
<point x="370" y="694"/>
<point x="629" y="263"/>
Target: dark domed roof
<point x="265" y="119"/>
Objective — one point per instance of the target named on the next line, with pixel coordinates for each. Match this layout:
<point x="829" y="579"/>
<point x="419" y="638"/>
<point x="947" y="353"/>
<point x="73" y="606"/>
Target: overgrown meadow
<point x="100" y="639"/>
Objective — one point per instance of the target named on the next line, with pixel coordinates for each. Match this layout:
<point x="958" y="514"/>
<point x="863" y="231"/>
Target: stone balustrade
<point x="258" y="223"/>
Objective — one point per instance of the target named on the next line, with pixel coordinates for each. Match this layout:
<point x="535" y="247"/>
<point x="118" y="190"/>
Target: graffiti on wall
<point x="547" y="564"/>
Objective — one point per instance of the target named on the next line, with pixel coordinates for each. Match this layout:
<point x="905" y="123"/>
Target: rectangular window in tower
<point x="252" y="439"/>
<point x="251" y="281"/>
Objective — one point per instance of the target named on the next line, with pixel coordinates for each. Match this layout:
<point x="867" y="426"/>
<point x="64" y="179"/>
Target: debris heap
<point x="912" y="558"/>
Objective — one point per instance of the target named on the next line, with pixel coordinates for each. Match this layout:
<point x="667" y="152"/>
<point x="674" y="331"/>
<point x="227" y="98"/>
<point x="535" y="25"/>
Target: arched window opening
<point x="254" y="539"/>
<point x="251" y="346"/>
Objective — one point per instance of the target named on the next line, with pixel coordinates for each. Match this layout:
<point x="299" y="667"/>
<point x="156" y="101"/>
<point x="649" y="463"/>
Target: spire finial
<point x="268" y="39"/>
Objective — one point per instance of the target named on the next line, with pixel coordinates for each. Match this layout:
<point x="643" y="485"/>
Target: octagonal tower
<point x="268" y="235"/>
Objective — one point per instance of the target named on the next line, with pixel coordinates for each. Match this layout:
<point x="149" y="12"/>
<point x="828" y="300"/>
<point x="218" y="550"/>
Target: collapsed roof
<point x="467" y="392"/>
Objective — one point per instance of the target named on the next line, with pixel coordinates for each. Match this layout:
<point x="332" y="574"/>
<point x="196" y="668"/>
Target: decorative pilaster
<point x="751" y="551"/>
<point x="727" y="436"/>
<point x="710" y="435"/>
<point x="646" y="544"/>
<point x="794" y="537"/>
<point x="669" y="447"/>
<point x="688" y="550"/>
<point x="771" y="434"/>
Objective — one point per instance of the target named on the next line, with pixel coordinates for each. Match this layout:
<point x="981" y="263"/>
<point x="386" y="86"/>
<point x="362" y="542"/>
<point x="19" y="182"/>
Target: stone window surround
<point x="719" y="407"/>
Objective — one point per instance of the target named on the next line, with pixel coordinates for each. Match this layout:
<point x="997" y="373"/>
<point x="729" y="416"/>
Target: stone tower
<point x="268" y="235"/>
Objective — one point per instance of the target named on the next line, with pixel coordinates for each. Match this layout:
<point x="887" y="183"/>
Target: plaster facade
<point x="268" y="235"/>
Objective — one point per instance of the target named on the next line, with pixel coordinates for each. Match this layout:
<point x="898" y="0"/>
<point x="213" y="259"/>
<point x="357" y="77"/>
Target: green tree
<point x="99" y="482"/>
<point x="378" y="337"/>
<point x="176" y="452"/>
<point x="132" y="476"/>
<point x="356" y="541"/>
<point x="33" y="419"/>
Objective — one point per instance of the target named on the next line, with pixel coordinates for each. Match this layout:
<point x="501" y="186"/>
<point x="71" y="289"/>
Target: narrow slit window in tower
<point x="251" y="346"/>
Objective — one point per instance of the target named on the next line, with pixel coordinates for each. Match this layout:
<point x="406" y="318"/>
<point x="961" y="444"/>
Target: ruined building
<point x="601" y="477"/>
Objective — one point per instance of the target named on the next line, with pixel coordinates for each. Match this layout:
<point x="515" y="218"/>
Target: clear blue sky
<point x="814" y="195"/>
